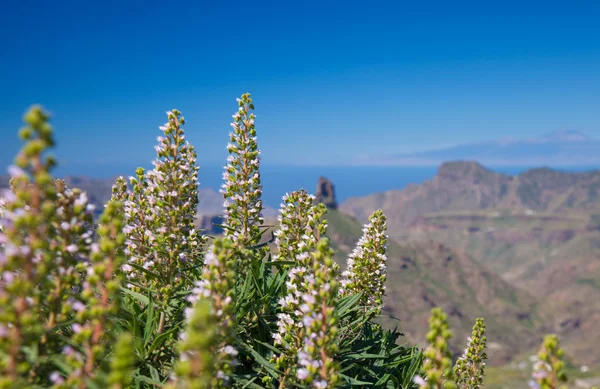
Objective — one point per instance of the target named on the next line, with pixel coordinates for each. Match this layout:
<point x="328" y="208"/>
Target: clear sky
<point x="331" y="80"/>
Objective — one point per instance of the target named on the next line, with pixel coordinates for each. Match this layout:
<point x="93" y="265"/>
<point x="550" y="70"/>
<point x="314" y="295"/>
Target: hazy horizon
<point x="349" y="181"/>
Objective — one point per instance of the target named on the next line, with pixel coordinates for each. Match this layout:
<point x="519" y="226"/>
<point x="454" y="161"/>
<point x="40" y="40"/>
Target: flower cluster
<point x="163" y="243"/>
<point x="139" y="230"/>
<point x="242" y="188"/>
<point x="72" y="245"/>
<point x="548" y="370"/>
<point x="317" y="366"/>
<point x="366" y="270"/>
<point x="438" y="358"/>
<point x="469" y="368"/>
<point x="74" y="294"/>
<point x="217" y="288"/>
<point x="301" y="225"/>
<point x="307" y="327"/>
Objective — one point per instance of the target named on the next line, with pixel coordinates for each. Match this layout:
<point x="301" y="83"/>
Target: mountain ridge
<point x="468" y="185"/>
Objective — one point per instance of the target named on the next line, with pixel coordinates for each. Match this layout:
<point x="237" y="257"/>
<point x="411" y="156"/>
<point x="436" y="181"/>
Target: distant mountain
<point x="539" y="231"/>
<point x="561" y="148"/>
<point x="469" y="186"/>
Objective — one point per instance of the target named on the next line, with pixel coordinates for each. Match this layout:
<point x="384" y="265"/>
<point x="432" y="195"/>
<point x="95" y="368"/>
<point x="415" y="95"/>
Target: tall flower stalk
<point x="27" y="260"/>
<point x="217" y="287"/>
<point x="163" y="245"/>
<point x="469" y="368"/>
<point x="51" y="289"/>
<point x="242" y="187"/>
<point x="366" y="269"/>
<point x="437" y="366"/>
<point x="317" y="366"/>
<point x="548" y="370"/>
<point x="300" y="230"/>
<point x="72" y="245"/>
<point x="99" y="295"/>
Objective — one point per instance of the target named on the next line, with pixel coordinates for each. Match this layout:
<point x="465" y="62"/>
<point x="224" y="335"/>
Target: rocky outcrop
<point x="326" y="193"/>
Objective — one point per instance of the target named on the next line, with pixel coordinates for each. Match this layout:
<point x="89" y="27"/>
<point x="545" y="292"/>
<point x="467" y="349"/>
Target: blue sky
<point x="331" y="82"/>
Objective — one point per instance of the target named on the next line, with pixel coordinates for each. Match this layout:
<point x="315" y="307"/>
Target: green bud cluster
<point x="469" y="368"/>
<point x="58" y="286"/>
<point x="437" y="366"/>
<point x="122" y="363"/>
<point x="28" y="261"/>
<point x="119" y="191"/>
<point x="196" y="368"/>
<point x="549" y="369"/>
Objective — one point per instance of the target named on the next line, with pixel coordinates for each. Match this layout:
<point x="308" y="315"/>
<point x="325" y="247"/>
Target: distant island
<point x="561" y="148"/>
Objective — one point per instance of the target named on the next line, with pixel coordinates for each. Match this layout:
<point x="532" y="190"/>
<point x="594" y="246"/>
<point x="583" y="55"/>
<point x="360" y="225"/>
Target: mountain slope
<point x="538" y="231"/>
<point x="555" y="257"/>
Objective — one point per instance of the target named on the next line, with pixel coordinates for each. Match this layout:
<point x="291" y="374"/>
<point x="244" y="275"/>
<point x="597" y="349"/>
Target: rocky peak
<point x="326" y="193"/>
<point x="462" y="169"/>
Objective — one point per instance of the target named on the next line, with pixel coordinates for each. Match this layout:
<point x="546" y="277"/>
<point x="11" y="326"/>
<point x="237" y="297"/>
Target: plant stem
<point x="161" y="323"/>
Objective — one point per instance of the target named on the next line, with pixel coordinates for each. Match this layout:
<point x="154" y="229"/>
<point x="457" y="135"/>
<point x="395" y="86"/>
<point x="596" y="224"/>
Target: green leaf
<point x="136" y="296"/>
<point x="150" y="323"/>
<point x="268" y="366"/>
